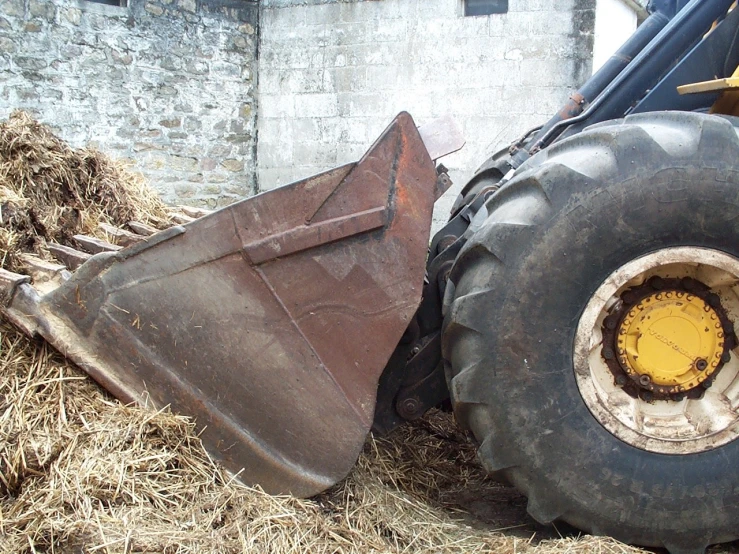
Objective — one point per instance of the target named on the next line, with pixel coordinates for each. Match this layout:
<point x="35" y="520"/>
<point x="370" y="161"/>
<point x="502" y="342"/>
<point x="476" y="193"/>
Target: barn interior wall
<point x="334" y="73"/>
<point x="167" y="84"/>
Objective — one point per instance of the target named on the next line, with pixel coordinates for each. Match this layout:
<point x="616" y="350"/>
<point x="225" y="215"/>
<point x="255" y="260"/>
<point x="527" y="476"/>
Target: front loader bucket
<point x="269" y="321"/>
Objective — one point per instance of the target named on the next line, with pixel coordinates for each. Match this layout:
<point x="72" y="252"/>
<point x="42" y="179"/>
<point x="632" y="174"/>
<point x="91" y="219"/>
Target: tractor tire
<point x="487" y="176"/>
<point x="574" y="216"/>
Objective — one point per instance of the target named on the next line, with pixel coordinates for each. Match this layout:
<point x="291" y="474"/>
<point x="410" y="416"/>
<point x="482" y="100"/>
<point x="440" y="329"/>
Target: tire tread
<point x="514" y="213"/>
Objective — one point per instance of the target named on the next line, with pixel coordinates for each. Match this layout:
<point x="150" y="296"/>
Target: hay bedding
<point x="50" y="191"/>
<point x="80" y="472"/>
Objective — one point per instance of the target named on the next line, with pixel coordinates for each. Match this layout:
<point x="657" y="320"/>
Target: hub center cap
<point x="638" y="342"/>
<point x="670" y="341"/>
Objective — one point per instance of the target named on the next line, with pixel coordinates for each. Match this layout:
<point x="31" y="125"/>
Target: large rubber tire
<point x="575" y="213"/>
<point x="488" y="175"/>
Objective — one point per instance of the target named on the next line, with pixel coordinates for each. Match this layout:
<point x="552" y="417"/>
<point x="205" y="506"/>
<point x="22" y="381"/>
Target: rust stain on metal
<point x="573" y="107"/>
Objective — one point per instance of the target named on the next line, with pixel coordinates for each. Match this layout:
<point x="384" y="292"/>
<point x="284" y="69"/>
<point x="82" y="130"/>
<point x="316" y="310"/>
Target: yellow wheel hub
<point x="670" y="341"/>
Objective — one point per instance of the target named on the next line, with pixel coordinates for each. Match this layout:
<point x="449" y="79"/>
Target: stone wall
<point x="169" y="84"/>
<point x="334" y="73"/>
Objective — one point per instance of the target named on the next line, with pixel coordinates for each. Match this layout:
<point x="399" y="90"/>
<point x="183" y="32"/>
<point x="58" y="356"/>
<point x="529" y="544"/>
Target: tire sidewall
<point x="594" y="231"/>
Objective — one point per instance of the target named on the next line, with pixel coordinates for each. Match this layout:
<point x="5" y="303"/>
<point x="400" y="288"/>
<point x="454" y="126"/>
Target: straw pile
<point x="79" y="472"/>
<point x="50" y="191"/>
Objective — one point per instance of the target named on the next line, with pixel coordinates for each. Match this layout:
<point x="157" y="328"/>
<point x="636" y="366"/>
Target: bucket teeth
<point x="121" y="236"/>
<point x="36" y="267"/>
<point x="94" y="246"/>
<point x="9" y="282"/>
<point x="192" y="211"/>
<point x="46" y="276"/>
<point x="181" y="218"/>
<point x="142" y="228"/>
<point x="68" y="256"/>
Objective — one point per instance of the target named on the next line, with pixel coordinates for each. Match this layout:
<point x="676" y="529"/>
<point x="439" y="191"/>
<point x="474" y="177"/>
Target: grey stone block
<point x="7" y="46"/>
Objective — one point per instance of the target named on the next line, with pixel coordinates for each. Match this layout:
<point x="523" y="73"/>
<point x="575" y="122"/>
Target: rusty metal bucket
<point x="269" y="321"/>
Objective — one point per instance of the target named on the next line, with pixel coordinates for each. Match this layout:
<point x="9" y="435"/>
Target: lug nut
<point x="621" y="380"/>
<point x="713" y="300"/>
<point x="725" y="358"/>
<point x="687" y="283"/>
<point x="608" y="353"/>
<point x="707" y="384"/>
<point x="628" y="297"/>
<point x="657" y="283"/>
<point x="647" y="396"/>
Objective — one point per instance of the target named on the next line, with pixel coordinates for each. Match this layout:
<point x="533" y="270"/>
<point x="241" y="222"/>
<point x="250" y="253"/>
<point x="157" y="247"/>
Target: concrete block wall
<point x="168" y="84"/>
<point x="334" y="73"/>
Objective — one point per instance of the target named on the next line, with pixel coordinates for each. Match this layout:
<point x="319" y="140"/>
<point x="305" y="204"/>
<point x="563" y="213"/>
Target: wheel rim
<point x="673" y="411"/>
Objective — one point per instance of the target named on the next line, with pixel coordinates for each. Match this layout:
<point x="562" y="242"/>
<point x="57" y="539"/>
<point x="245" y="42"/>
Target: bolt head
<point x="411" y="406"/>
<point x="657" y="283"/>
<point x="701" y="364"/>
<point x="687" y="283"/>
